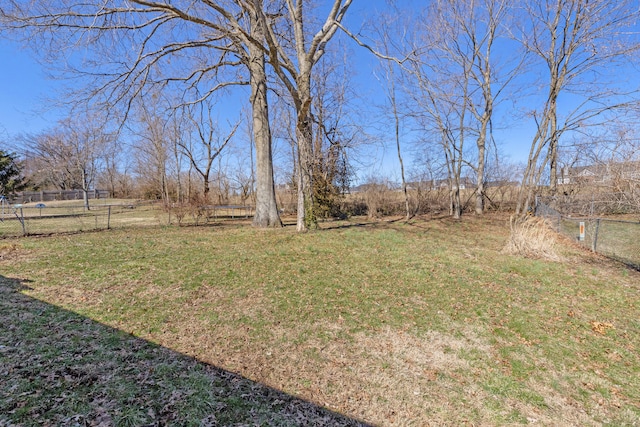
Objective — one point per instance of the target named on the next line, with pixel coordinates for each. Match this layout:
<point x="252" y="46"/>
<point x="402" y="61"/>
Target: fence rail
<point x="21" y="220"/>
<point x="52" y="195"/>
<point x="615" y="239"/>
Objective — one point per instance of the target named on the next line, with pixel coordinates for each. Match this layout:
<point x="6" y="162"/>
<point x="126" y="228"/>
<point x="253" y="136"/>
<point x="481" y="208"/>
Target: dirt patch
<point x="10" y="251"/>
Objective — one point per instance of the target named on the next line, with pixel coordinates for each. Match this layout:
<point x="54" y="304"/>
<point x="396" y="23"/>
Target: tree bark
<point x="266" y="214"/>
<point x="306" y="212"/>
<point x="306" y="218"/>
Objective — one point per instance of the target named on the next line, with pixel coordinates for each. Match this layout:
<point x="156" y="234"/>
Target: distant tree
<point x="71" y="155"/>
<point x="153" y="150"/>
<point x="11" y="178"/>
<point x="206" y="144"/>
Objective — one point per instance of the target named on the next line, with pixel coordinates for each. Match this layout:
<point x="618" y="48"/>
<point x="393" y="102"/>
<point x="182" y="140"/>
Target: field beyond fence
<point x="617" y="239"/>
<point x="70" y="216"/>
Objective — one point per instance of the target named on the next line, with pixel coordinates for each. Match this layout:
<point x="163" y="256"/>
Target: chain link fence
<point x="615" y="239"/>
<point x="40" y="218"/>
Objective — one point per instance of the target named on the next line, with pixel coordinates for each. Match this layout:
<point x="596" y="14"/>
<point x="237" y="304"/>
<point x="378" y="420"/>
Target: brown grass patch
<point x="532" y="237"/>
<point x="10" y="251"/>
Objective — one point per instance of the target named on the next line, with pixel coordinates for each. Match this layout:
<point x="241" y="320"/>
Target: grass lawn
<point x="388" y="323"/>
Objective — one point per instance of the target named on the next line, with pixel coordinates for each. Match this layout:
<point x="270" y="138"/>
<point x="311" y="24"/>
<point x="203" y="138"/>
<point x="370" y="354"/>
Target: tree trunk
<point x="306" y="214"/>
<point x="553" y="148"/>
<point x="266" y="214"/>
<point x="480" y="175"/>
<point x="206" y="189"/>
<point x="85" y="190"/>
<point x="481" y="142"/>
<point x="397" y="135"/>
<point x="85" y="196"/>
<point x="304" y="135"/>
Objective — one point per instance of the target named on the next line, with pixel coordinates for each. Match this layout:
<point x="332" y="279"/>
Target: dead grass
<point x="532" y="237"/>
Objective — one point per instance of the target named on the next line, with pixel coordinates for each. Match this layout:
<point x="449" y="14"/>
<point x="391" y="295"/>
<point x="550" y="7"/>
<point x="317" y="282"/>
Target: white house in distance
<point x="600" y="173"/>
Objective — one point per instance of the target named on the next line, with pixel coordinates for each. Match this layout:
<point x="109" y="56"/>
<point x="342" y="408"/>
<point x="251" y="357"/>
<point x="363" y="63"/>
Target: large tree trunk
<point x="266" y="214"/>
<point x="306" y="213"/>
<point x="304" y="135"/>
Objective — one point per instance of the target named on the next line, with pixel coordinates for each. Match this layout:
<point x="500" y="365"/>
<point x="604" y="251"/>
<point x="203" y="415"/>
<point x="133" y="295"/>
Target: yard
<point x="385" y="323"/>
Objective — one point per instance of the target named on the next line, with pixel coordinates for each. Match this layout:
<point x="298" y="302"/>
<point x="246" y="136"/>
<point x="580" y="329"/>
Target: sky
<point x="23" y="92"/>
<point x="25" y="87"/>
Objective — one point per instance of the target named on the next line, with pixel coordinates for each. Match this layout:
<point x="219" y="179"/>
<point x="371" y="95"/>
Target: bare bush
<point x="382" y="200"/>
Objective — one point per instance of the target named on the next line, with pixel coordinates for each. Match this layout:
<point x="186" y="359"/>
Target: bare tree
<point x="71" y="156"/>
<point x="390" y="81"/>
<point x="462" y="80"/>
<point x="134" y="47"/>
<point x="440" y="101"/>
<point x="336" y="133"/>
<point x="478" y="26"/>
<point x="294" y="69"/>
<point x="575" y="40"/>
<point x="153" y="150"/>
<point x="208" y="142"/>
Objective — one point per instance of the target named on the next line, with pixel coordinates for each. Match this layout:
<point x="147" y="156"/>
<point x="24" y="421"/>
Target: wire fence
<point x="615" y="239"/>
<point x="39" y="219"/>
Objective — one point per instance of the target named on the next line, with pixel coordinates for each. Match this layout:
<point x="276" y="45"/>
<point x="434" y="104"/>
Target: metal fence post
<point x="109" y="218"/>
<point x="595" y="236"/>
<point x="24" y="228"/>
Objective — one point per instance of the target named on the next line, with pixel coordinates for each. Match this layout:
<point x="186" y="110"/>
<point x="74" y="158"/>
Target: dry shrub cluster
<point x="531" y="237"/>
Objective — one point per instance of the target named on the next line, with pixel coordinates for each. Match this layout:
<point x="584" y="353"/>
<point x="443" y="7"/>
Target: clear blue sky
<point x="25" y="88"/>
<point x="24" y="109"/>
<point x="23" y="94"/>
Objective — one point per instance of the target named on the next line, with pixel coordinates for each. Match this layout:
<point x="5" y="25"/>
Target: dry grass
<point x="532" y="237"/>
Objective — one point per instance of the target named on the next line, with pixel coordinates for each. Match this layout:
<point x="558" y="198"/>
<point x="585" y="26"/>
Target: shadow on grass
<point x="59" y="368"/>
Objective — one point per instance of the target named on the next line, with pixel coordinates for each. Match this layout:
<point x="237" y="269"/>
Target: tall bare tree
<point x="457" y="69"/>
<point x="336" y="133"/>
<point x="443" y="91"/>
<point x="153" y="149"/>
<point x="478" y="26"/>
<point x="575" y="40"/>
<point x="390" y="83"/>
<point x="133" y="47"/>
<point x="293" y="53"/>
